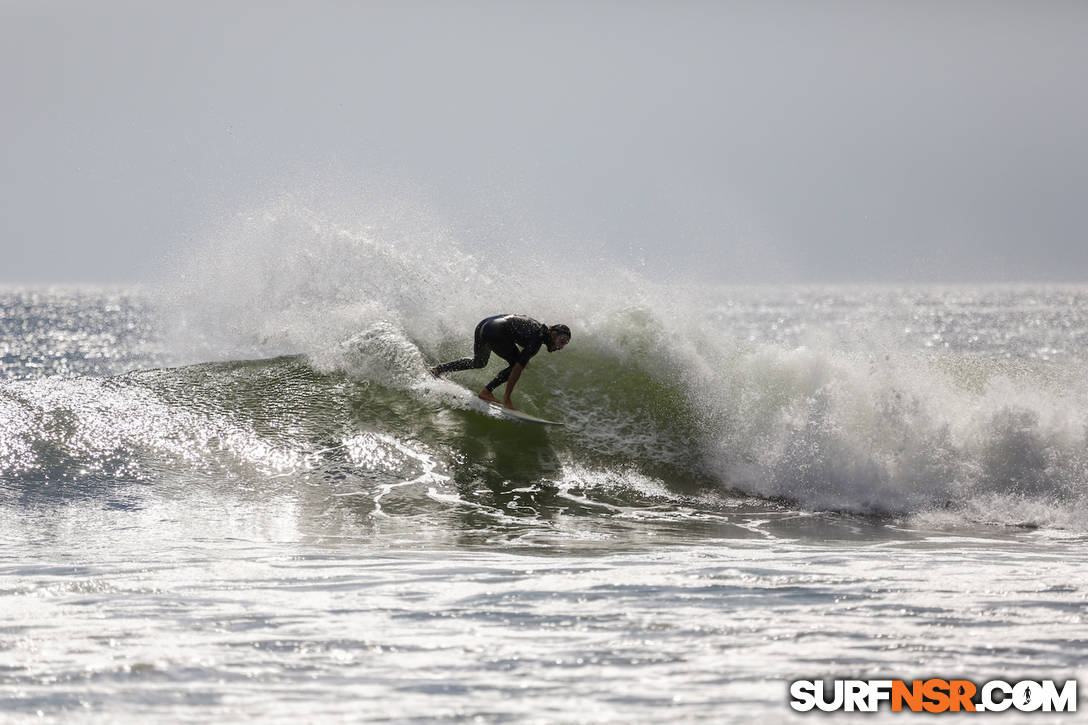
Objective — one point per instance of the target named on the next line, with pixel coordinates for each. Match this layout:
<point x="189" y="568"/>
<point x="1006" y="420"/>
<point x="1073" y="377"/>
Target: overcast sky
<point x="740" y="141"/>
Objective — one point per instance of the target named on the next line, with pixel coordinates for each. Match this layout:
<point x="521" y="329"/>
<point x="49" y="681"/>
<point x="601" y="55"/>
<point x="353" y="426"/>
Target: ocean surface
<point x="240" y="496"/>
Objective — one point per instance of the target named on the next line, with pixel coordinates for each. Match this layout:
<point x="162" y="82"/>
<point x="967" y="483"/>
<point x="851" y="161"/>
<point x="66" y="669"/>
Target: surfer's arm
<point x="515" y="373"/>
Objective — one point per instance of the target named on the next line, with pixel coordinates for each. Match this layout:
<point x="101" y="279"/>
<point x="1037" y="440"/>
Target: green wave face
<point x="418" y="450"/>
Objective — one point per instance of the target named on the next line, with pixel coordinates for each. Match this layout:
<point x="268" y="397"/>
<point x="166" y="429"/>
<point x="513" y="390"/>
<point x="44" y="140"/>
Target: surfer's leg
<point x="481" y="353"/>
<point x="508" y="352"/>
<point x="501" y="378"/>
<point x="453" y="366"/>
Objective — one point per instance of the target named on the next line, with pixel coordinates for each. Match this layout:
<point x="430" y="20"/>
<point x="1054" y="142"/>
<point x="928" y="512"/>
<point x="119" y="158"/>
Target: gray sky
<point x="740" y="141"/>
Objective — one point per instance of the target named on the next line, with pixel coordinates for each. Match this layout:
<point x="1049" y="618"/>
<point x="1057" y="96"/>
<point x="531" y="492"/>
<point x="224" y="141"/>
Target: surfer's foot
<point x="485" y="394"/>
<point x="433" y="370"/>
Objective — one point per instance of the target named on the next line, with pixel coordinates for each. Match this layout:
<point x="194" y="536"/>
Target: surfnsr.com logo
<point x="933" y="695"/>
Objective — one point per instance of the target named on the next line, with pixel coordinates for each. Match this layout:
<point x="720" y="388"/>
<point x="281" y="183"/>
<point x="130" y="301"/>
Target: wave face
<point x="311" y="333"/>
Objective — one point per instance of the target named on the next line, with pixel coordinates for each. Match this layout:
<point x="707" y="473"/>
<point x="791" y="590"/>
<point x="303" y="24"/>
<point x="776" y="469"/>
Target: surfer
<point x="502" y="335"/>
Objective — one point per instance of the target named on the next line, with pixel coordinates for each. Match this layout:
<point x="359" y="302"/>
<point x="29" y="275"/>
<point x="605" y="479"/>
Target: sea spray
<point x="301" y="277"/>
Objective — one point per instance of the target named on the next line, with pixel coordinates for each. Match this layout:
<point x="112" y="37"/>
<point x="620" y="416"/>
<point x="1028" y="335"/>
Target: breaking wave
<point x="301" y="342"/>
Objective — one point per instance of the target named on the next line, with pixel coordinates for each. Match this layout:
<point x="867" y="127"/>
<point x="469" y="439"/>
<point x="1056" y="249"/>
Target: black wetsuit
<point x="501" y="334"/>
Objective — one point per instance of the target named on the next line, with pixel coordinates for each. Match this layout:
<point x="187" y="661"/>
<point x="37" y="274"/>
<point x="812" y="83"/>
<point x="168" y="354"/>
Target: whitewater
<point x="237" y="493"/>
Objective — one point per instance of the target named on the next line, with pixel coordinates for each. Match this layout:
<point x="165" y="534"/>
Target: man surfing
<point x="502" y="334"/>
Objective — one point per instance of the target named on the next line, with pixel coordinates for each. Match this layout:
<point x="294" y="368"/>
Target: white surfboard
<point x="500" y="412"/>
<point x="495" y="410"/>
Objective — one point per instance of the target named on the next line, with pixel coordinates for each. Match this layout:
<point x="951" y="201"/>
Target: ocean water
<point x="238" y="495"/>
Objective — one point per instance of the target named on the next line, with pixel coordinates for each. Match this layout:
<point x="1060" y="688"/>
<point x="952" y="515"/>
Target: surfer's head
<point x="558" y="337"/>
